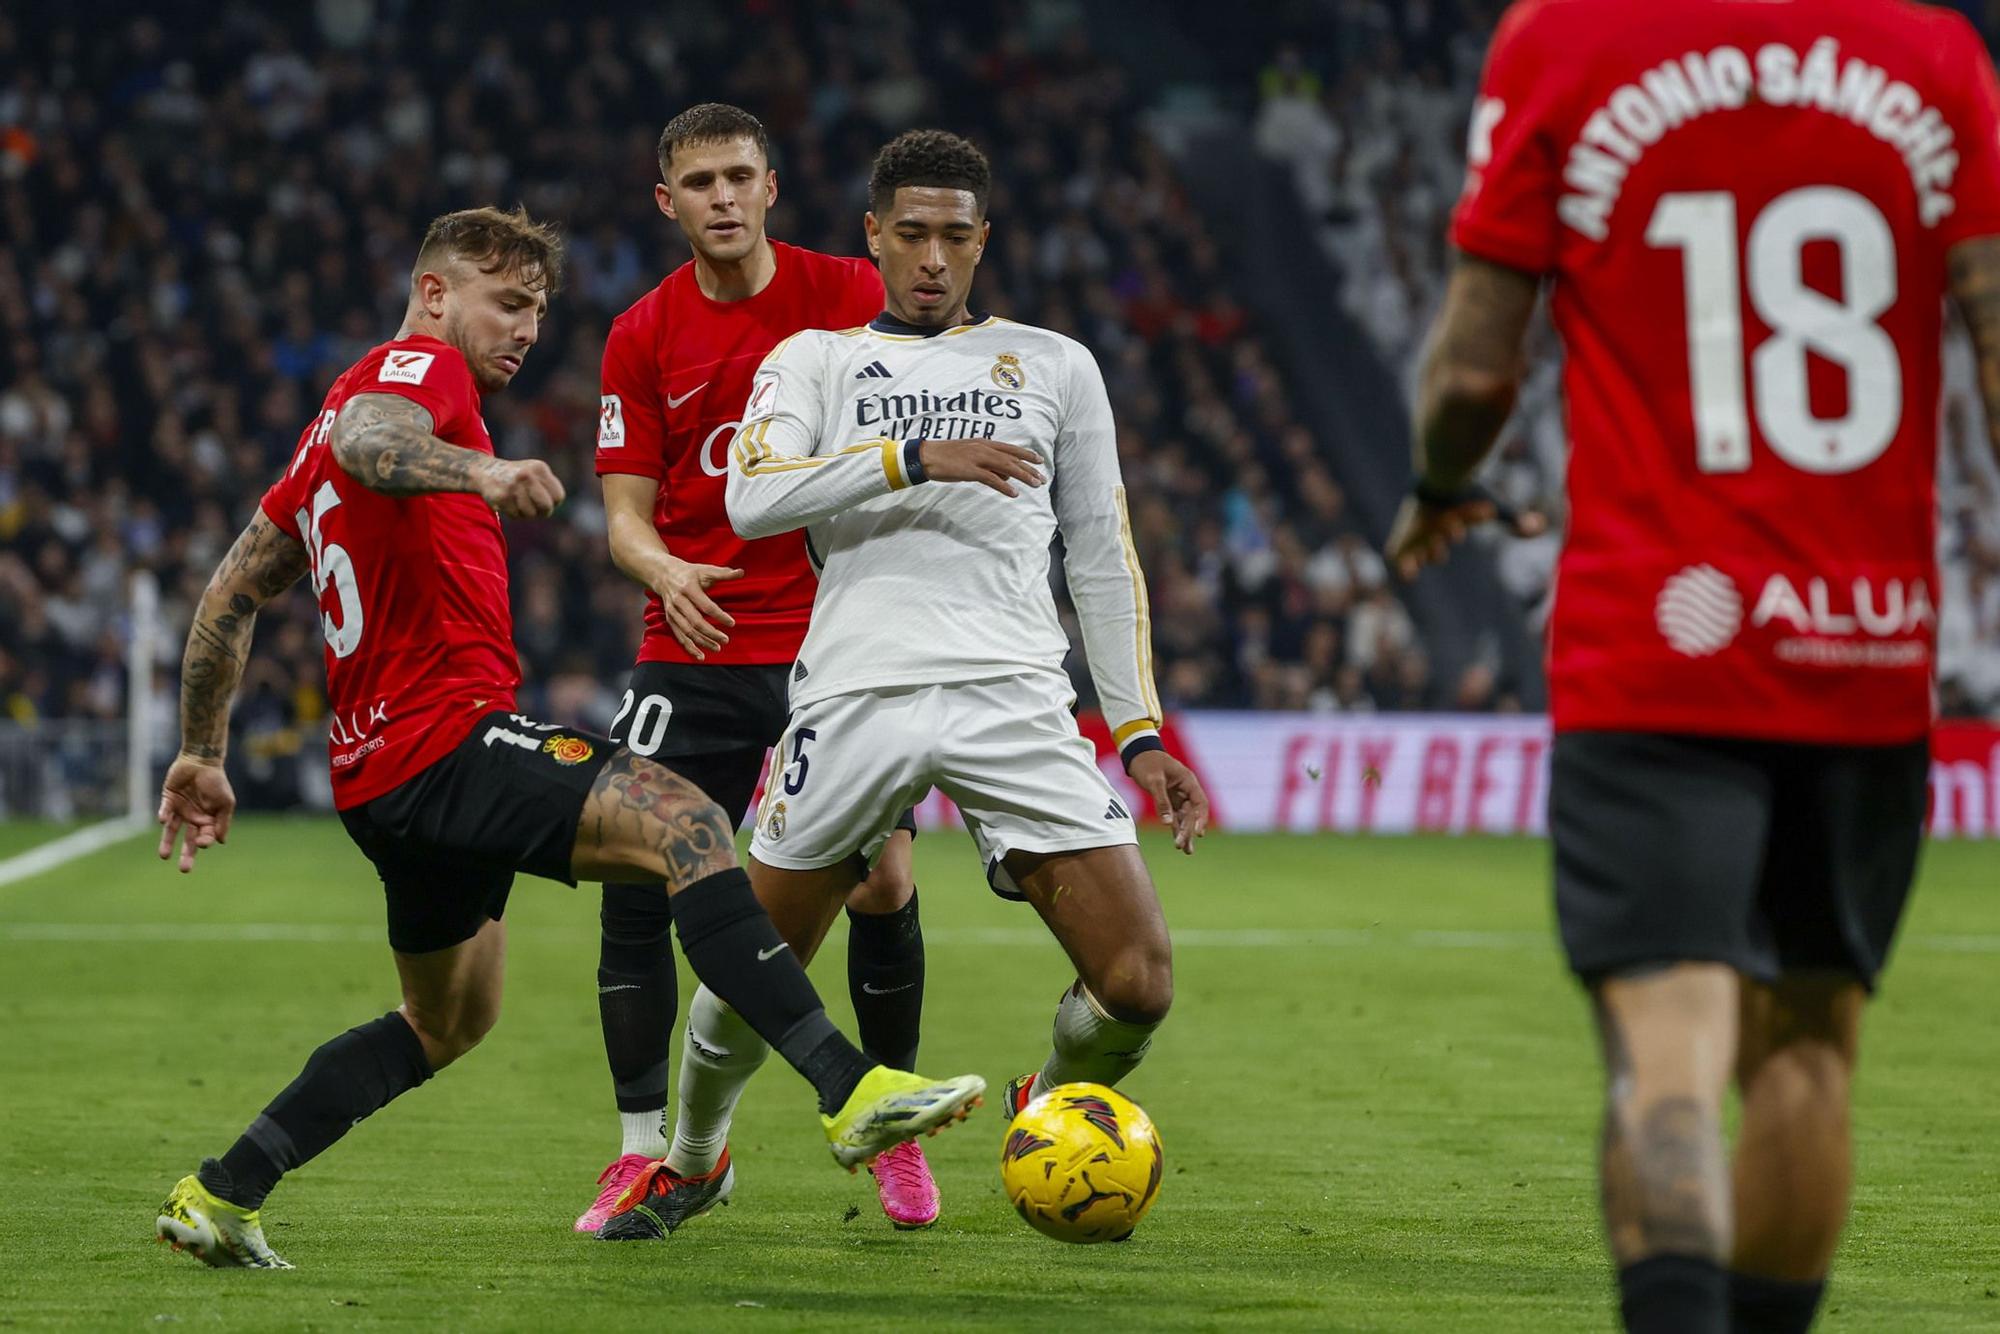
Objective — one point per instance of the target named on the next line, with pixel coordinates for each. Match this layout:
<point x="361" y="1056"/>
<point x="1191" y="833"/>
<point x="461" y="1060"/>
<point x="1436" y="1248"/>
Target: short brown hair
<point x="711" y="123"/>
<point x="929" y="158"/>
<point x="497" y="242"/>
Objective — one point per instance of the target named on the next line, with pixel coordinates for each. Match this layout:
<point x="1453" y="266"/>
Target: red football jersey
<point x="677" y="372"/>
<point x="412" y="589"/>
<point x="1744" y="210"/>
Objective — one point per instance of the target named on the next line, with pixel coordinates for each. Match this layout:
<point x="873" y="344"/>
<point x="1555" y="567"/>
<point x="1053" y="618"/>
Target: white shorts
<point x="1005" y="751"/>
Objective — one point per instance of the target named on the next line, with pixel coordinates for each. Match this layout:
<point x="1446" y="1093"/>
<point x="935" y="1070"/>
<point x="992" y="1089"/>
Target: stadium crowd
<point x="200" y="226"/>
<point x="1372" y="124"/>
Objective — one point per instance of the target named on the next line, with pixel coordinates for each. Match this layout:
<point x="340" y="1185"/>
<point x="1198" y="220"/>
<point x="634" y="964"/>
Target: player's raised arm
<point x="386" y="443"/>
<point x="1471" y="372"/>
<point x="196" y="797"/>
<point x="775" y="482"/>
<point x="1101" y="565"/>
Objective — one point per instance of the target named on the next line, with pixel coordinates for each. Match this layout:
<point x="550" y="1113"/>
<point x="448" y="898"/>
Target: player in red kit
<point x="390" y="505"/>
<point x="1748" y="216"/>
<point x="724" y="620"/>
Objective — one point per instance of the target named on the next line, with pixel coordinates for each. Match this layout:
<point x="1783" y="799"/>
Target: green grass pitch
<point x="1377" y="1093"/>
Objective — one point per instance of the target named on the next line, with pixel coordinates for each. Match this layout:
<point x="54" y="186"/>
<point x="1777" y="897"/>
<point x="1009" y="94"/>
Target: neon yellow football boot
<point x="890" y="1106"/>
<point x="213" y="1230"/>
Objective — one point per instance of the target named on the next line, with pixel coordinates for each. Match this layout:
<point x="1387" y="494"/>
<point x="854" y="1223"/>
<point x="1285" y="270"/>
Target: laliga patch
<point x="568" y="749"/>
<point x="405" y="367"/>
<point x="762" y="398"/>
<point x="611" y="422"/>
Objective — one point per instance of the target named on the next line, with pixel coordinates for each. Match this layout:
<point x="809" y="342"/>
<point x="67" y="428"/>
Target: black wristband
<point x="913" y="461"/>
<point x="1138" y="746"/>
<point x="1440" y="499"/>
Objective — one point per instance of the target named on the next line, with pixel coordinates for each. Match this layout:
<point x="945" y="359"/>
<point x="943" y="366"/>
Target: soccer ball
<point x="1082" y="1164"/>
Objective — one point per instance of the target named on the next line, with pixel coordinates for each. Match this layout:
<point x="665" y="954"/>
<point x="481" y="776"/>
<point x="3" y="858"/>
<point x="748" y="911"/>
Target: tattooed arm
<point x="1471" y="371"/>
<point x="264" y="562"/>
<point x="1975" y="287"/>
<point x="384" y="442"/>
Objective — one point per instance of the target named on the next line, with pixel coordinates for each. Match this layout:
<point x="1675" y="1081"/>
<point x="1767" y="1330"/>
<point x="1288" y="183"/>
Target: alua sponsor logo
<point x="1699" y="611"/>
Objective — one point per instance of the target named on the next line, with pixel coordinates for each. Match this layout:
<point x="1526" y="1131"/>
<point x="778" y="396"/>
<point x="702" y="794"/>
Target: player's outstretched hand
<point x="1424" y="534"/>
<point x="196" y="803"/>
<point x="987" y="462"/>
<point x="520" y="488"/>
<point x="1176" y="794"/>
<point x="692" y="615"/>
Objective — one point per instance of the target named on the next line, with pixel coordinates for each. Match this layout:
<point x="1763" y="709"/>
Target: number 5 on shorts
<point x="795" y="772"/>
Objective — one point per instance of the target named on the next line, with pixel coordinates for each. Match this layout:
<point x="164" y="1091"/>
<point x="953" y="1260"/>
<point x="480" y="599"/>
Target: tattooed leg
<point x="1669" y="1044"/>
<point x="645" y="822"/>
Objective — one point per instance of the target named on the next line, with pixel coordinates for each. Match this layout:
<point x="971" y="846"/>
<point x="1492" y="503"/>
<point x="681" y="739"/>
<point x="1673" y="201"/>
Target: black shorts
<point x="1767" y="856"/>
<point x="712" y="725"/>
<point x="448" y="842"/>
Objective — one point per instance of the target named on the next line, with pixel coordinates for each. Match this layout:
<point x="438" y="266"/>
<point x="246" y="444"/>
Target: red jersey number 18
<point x="1702" y="226"/>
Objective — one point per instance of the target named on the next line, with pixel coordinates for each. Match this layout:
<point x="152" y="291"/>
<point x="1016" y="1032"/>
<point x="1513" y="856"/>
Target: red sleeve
<point x="1507" y="213"/>
<point x="1976" y="185"/>
<point x="631" y="429"/>
<point x="286" y="497"/>
<point x="429" y="374"/>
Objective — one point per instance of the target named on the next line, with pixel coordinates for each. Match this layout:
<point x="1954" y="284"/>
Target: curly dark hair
<point x="496" y="241"/>
<point x="711" y="123"/>
<point x="929" y="157"/>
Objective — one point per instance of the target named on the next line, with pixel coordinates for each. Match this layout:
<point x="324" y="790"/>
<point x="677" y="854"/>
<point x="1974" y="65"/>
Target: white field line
<point x="1274" y="938"/>
<point x="77" y="843"/>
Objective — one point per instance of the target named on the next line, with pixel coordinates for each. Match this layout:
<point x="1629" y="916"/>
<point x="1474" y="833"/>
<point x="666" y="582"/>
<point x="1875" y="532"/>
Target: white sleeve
<point x="775" y="481"/>
<point x="1099" y="559"/>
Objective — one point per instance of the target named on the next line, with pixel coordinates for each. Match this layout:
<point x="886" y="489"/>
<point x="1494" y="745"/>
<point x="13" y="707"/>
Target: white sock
<point x="645" y="1133"/>
<point x="1090" y="1046"/>
<point x="718" y="1056"/>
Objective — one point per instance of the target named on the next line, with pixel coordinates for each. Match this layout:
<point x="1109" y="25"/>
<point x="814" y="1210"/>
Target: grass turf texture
<point x="1387" y="1123"/>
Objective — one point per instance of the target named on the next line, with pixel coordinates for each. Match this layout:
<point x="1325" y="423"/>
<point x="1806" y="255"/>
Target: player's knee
<point x="453" y="1027"/>
<point x="884" y="891"/>
<point x="1138" y="986"/>
<point x="693" y="843"/>
<point x="635" y="914"/>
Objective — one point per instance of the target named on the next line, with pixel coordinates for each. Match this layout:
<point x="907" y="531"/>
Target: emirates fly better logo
<point x="1699" y="611"/>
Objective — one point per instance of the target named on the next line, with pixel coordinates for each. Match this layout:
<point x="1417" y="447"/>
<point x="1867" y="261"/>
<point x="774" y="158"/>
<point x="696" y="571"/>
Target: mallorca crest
<point x="1007" y="372"/>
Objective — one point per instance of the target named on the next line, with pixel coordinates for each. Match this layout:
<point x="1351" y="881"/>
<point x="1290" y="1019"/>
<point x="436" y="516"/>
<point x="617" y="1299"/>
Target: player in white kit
<point x="935" y="654"/>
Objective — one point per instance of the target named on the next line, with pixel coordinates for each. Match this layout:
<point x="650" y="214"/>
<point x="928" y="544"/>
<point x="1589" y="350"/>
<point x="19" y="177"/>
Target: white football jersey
<point x="935" y="582"/>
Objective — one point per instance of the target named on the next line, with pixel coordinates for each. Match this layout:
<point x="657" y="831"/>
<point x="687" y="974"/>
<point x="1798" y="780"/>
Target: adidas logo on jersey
<point x="874" y="370"/>
<point x="1115" y="811"/>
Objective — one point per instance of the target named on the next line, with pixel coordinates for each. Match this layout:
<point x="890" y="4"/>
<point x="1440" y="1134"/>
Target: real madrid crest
<point x="1007" y="372"/>
<point x="774" y="828"/>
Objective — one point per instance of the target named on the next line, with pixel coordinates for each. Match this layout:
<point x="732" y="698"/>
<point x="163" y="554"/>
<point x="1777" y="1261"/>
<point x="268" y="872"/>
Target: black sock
<point x="732" y="946"/>
<point x="1772" y="1305"/>
<point x="638" y="996"/>
<point x="1674" y="1294"/>
<point x="348" y="1079"/>
<point x="885" y="976"/>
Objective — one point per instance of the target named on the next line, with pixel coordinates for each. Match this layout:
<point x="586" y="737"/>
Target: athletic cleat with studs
<point x="904" y="1184"/>
<point x="1020" y="1092"/>
<point x="615" y="1180"/>
<point x="657" y="1202"/>
<point x="890" y="1106"/>
<point x="213" y="1230"/>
